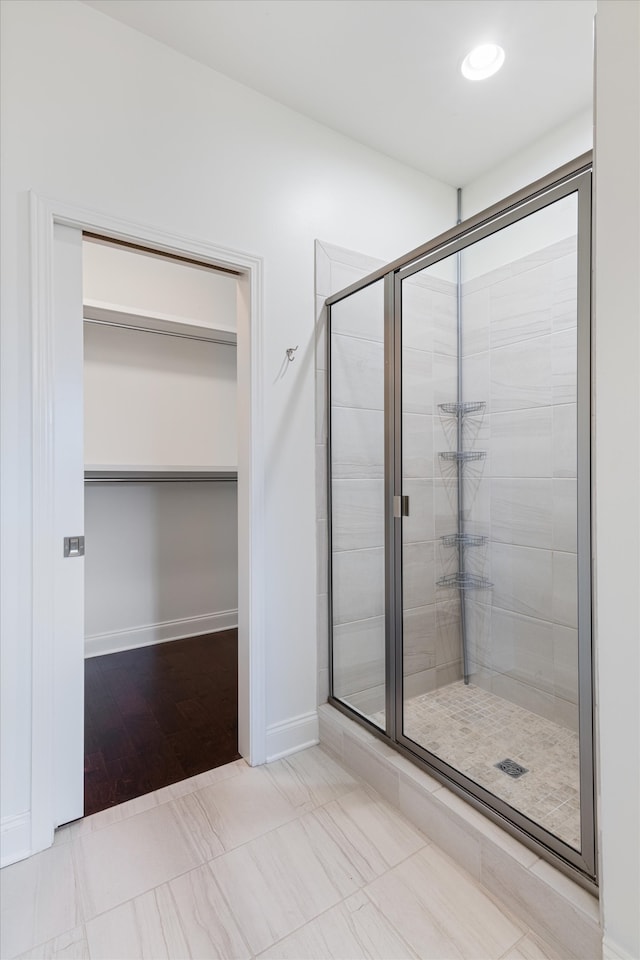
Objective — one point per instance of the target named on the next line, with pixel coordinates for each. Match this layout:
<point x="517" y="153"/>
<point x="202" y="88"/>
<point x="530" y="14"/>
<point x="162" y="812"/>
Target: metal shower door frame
<point x="572" y="178"/>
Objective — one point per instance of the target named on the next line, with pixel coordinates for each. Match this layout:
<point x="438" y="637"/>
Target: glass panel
<point x="357" y="501"/>
<point x="490" y="644"/>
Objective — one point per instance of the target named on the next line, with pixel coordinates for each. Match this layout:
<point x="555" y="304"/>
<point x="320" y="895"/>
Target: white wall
<point x="560" y="146"/>
<point x="156" y="400"/>
<point x="141" y="281"/>
<point x="161" y="562"/>
<point x="97" y="115"/>
<point x="617" y="467"/>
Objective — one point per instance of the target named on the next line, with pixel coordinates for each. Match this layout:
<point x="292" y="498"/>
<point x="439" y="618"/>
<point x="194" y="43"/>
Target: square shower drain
<point x="511" y="767"/>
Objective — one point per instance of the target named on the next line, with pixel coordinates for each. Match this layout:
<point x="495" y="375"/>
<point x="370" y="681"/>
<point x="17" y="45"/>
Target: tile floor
<point x="473" y="730"/>
<point x="296" y="859"/>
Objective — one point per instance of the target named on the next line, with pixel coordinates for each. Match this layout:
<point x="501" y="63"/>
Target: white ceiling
<point x="386" y="72"/>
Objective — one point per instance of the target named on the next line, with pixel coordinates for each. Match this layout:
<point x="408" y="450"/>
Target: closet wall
<point x="161" y="557"/>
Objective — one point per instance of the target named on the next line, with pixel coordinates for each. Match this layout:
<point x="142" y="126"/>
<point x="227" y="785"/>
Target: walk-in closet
<point x="161" y="541"/>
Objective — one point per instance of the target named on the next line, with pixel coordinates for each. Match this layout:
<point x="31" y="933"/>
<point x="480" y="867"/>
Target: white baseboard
<point x="292" y="735"/>
<point x="613" y="951"/>
<point x="15" y="838"/>
<point x="129" y="639"/>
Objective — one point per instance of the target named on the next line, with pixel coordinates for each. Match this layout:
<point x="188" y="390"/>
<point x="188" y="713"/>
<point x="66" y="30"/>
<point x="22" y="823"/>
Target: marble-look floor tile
<point x="188" y="917"/>
<point x="127" y="858"/>
<point x="227" y="814"/>
<point x="38" y="900"/>
<point x="283" y="879"/>
<point x="423" y="898"/>
<point x="353" y="929"/>
<point x="71" y="945"/>
<point x="372" y="834"/>
<point x="531" y="948"/>
<point x="310" y="778"/>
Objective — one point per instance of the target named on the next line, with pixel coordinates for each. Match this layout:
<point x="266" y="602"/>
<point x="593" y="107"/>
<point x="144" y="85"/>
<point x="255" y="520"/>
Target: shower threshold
<point x="472" y="729"/>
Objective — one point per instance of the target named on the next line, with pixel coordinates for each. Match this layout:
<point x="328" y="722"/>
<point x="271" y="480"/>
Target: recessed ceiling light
<point x="482" y="62"/>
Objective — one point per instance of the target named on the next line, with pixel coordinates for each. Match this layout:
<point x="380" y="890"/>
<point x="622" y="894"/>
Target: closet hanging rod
<point x="160" y="476"/>
<point x="158" y="479"/>
<point x="162" y="333"/>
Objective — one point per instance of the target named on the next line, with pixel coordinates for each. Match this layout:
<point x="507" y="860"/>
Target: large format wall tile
<point x="521" y="375"/>
<point x="358" y="585"/>
<point x="419" y="639"/>
<point x="445" y="506"/>
<point x="357" y="373"/>
<point x="521" y="306"/>
<point x="565" y="662"/>
<point x="475" y="321"/>
<point x="565" y="589"/>
<point x="448" y="636"/>
<point x="417" y="381"/>
<point x="564" y="366"/>
<point x="418" y="574"/>
<point x="477" y="504"/>
<point x="417" y="328"/>
<point x="476" y="380"/>
<point x="419" y="525"/>
<point x="523" y="647"/>
<point x="564" y="306"/>
<point x="444" y="379"/>
<point x="358" y="514"/>
<point x="417" y="445"/>
<point x="564" y="440"/>
<point x="521" y="443"/>
<point x="357" y="443"/>
<point x="358" y="656"/>
<point x="565" y="514"/>
<point x="522" y="511"/>
<point x="361" y="314"/>
<point x="523" y="580"/>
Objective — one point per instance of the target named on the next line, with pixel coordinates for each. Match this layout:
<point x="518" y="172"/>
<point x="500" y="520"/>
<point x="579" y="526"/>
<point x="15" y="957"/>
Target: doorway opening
<point x="160" y="504"/>
<point x="58" y="496"/>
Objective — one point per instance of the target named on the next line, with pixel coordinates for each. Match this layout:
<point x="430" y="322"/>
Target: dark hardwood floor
<point x="157" y="715"/>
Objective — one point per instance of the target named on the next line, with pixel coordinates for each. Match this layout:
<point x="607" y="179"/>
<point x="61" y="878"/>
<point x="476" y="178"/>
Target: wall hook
<point x="290" y="353"/>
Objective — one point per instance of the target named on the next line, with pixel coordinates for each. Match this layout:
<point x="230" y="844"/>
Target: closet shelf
<point x="112" y="315"/>
<point x="113" y="473"/>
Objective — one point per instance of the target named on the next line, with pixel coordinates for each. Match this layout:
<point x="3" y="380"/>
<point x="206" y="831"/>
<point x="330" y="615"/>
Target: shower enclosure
<point x="459" y="507"/>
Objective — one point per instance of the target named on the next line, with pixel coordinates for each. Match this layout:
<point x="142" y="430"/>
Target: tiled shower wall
<point x="519" y="356"/>
<point x="431" y="627"/>
<point x="335" y="269"/>
<point x="519" y="349"/>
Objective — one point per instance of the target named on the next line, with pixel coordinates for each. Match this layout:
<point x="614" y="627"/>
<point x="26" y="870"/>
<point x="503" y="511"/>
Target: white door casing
<point x="57" y="499"/>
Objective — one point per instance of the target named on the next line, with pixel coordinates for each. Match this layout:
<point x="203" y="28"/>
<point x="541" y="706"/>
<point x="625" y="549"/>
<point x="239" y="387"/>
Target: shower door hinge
<point x="401" y="507"/>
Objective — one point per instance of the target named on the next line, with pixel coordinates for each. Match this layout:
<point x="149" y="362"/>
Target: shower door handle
<point x="400" y="507"/>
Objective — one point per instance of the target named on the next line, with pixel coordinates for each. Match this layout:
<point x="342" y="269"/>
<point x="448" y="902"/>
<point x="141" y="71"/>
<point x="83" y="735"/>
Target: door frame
<point x="44" y="214"/>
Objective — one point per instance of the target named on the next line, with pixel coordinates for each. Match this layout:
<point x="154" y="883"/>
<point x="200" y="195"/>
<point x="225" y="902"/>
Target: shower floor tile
<point x="473" y="730"/>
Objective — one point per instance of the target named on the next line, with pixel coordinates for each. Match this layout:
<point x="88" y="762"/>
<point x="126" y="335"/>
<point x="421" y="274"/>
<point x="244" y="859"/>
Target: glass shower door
<point x="488" y="453"/>
<point x="357" y="509"/>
